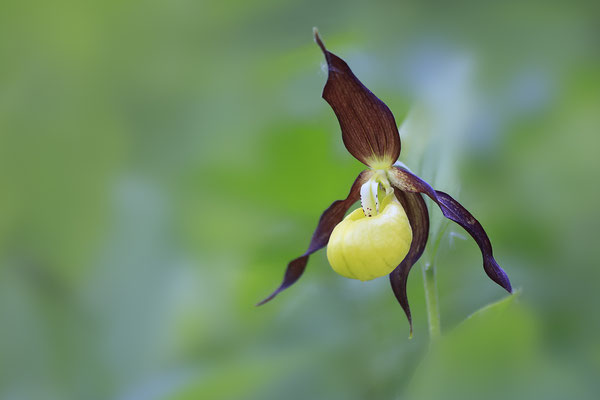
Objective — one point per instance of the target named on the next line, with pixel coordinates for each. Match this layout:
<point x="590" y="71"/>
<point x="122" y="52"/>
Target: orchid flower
<point x="388" y="233"/>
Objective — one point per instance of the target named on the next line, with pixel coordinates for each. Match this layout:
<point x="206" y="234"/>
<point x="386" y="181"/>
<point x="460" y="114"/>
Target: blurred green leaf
<point x="496" y="353"/>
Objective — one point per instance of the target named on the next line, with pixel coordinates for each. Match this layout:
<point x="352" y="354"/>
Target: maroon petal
<point x="405" y="180"/>
<point x="369" y="130"/>
<point x="416" y="210"/>
<point x="329" y="219"/>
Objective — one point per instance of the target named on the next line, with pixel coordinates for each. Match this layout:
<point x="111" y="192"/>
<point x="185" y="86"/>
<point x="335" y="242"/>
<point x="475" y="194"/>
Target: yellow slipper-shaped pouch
<point x="367" y="247"/>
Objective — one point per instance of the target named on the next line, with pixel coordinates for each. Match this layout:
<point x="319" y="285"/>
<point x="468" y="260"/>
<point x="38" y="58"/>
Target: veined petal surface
<point x="418" y="216"/>
<point x="405" y="180"/>
<point x="369" y="130"/>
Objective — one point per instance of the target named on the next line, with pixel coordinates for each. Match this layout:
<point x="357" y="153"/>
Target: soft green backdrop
<point x="161" y="161"/>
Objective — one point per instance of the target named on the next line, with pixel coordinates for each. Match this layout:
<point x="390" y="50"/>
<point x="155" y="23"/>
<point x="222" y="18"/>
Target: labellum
<point x="371" y="241"/>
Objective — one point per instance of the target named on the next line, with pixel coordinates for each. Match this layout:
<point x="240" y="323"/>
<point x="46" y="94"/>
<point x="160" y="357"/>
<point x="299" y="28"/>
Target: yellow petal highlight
<point x="366" y="248"/>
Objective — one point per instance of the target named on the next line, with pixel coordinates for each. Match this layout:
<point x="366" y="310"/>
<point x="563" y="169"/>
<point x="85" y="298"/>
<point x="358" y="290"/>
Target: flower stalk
<point x="431" y="301"/>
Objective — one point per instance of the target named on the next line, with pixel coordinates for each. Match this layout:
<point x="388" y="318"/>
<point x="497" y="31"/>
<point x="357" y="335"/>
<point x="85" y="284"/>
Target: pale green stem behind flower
<point x="433" y="137"/>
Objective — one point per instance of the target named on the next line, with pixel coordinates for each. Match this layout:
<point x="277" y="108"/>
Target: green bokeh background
<point x="162" y="161"/>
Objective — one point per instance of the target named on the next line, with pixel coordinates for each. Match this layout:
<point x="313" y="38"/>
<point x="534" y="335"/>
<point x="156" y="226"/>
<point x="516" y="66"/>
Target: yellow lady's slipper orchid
<point x="388" y="234"/>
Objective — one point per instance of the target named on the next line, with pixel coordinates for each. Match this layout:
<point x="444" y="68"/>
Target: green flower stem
<point x="431" y="301"/>
<point x="431" y="293"/>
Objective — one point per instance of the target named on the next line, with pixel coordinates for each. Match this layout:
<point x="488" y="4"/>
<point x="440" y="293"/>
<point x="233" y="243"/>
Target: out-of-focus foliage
<point x="474" y="361"/>
<point x="161" y="161"/>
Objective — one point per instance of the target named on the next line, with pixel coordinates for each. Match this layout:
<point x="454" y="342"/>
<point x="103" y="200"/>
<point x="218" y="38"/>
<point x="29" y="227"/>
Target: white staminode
<point x="368" y="198"/>
<point x="369" y="193"/>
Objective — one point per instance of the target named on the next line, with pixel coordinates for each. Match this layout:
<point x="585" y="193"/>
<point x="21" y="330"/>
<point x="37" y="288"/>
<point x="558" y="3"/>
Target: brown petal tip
<point x="418" y="216"/>
<point x="329" y="219"/>
<point x="453" y="210"/>
<point x="318" y="39"/>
